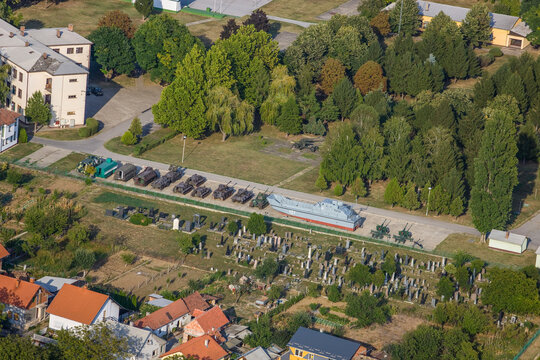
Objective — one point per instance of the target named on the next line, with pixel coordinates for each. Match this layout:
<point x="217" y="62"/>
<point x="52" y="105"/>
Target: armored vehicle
<point x="260" y="201"/>
<point x="175" y="173"/>
<point x="145" y="177"/>
<point x="106" y="168"/>
<point x="125" y="172"/>
<point x="166" y="180"/>
<point x="305" y="144"/>
<point x="242" y="196"/>
<point x="201" y="192"/>
<point x="93" y="161"/>
<point x="183" y="188"/>
<point x="223" y="192"/>
<point x="196" y="180"/>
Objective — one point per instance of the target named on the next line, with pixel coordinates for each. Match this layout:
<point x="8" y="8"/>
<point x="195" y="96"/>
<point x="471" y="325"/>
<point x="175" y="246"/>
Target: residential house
<point x="164" y="320"/>
<point x="311" y="344"/>
<point x="210" y="322"/>
<point x="259" y="353"/>
<point x="158" y="300"/>
<point x="506" y="30"/>
<point x="3" y="254"/>
<point x="9" y="128"/>
<point x="76" y="306"/>
<point x="61" y="76"/>
<point x="24" y="301"/>
<point x="202" y="348"/>
<point x="142" y="344"/>
<point x="53" y="284"/>
<point x="196" y="302"/>
<point x="235" y="334"/>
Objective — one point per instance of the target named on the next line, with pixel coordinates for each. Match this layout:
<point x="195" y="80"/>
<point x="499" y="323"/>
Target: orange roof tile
<point x="3" y="252"/>
<point x="197" y="312"/>
<point x="164" y="315"/>
<point x="8" y="117"/>
<point x="202" y="347"/>
<point x="195" y="302"/>
<point x="77" y="304"/>
<point x="212" y="320"/>
<point x="16" y="292"/>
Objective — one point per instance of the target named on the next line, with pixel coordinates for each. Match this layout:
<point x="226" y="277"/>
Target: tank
<point x="260" y="201"/>
<point x="201" y="192"/>
<point x="183" y="188"/>
<point x="242" y="196"/>
<point x="145" y="177"/>
<point x="196" y="180"/>
<point x="125" y="172"/>
<point x="223" y="192"/>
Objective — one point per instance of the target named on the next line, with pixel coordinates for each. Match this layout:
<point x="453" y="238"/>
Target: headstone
<point x="176" y="224"/>
<point x="347" y="244"/>
<point x="433" y="302"/>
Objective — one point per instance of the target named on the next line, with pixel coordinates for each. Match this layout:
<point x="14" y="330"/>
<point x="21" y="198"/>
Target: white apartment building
<point x="58" y="70"/>
<point x="9" y="129"/>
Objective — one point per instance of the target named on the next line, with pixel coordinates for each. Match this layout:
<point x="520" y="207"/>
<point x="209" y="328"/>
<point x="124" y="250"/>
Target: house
<point x="506" y="30"/>
<point x="24" y="301"/>
<point x="3" y="254"/>
<point x="196" y="302"/>
<point x="311" y="344"/>
<point x="507" y="241"/>
<point x="203" y="348"/>
<point x="164" y="320"/>
<point x="77" y="306"/>
<point x="53" y="284"/>
<point x="9" y="128"/>
<point x="169" y="5"/>
<point x="235" y="335"/>
<point x="158" y="300"/>
<point x="58" y="71"/>
<point x="259" y="353"/>
<point x="207" y="323"/>
<point x="538" y="257"/>
<point x="142" y="344"/>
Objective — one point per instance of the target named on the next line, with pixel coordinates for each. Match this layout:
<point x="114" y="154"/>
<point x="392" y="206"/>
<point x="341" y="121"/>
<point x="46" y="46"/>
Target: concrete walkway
<point x="203" y="21"/>
<point x="349" y="8"/>
<point x="45" y="156"/>
<point x="303" y="24"/>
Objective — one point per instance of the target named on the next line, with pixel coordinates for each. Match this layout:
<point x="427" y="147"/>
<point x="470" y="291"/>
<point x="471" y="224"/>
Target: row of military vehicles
<point x="192" y="185"/>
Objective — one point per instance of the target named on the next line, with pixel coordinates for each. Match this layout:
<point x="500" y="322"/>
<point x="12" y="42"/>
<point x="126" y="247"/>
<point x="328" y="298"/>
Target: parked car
<point x="97" y="91"/>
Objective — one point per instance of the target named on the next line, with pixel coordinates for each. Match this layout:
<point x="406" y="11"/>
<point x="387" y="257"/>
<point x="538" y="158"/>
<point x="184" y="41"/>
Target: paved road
<point x="303" y="24"/>
<point x="531" y="229"/>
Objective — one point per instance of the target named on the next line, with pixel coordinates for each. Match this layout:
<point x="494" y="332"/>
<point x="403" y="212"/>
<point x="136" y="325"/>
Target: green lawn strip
<point x="19" y="151"/>
<point x="68" y="163"/>
<point x="60" y="134"/>
<point x="115" y="145"/>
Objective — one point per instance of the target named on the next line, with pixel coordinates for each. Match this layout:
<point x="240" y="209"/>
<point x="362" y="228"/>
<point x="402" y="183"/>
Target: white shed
<point x="538" y="257"/>
<point x="507" y="241"/>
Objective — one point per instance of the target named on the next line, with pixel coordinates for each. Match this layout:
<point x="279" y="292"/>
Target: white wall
<point x="109" y="311"/>
<point x="168" y="5"/>
<point x="82" y="58"/>
<point x="505" y="246"/>
<point x="538" y="261"/>
<point x="58" y="323"/>
<point x="9" y="135"/>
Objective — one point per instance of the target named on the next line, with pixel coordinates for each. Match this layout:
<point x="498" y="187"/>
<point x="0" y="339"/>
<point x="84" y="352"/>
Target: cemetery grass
<point x="19" y="151"/>
<point x="472" y="245"/>
<point x="240" y="157"/>
<point x="67" y="163"/>
<point x="306" y="10"/>
<point x="60" y="134"/>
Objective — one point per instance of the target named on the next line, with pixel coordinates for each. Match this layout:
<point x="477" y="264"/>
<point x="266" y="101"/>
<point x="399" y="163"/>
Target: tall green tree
<point x="495" y="174"/>
<point x="92" y="343"/>
<point x="344" y="96"/>
<point x="144" y="7"/>
<point x="408" y="12"/>
<point x="5" y="72"/>
<point x="37" y="111"/>
<point x="476" y="27"/>
<point x="393" y="194"/>
<point x="281" y="89"/>
<point x="112" y="51"/>
<point x="397" y="135"/>
<point x="511" y="291"/>
<point x="371" y="8"/>
<point x="227" y="113"/>
<point x="289" y="121"/>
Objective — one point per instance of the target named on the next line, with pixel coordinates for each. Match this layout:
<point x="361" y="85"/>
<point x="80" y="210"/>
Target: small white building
<point x="507" y="241"/>
<point x="142" y="344"/>
<point x="171" y="5"/>
<point x="538" y="257"/>
<point x="75" y="306"/>
<point x="9" y="128"/>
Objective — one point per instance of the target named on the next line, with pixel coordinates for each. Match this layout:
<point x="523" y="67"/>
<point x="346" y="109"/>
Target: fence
<point x="526" y="346"/>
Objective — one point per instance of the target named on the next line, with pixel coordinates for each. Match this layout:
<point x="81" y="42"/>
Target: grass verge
<point x="19" y="151"/>
<point x="67" y="163"/>
<point x="116" y="146"/>
<point x="60" y="134"/>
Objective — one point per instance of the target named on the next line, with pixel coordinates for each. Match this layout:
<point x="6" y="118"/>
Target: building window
<point x="19" y="109"/>
<point x="73" y="113"/>
<point x="12" y="106"/>
<point x="19" y="93"/>
<point x="72" y="80"/>
<point x="57" y="50"/>
<point x="79" y="50"/>
<point x="14" y="73"/>
<point x="20" y="76"/>
<point x="70" y="50"/>
<point x="72" y="96"/>
<point x="16" y="317"/>
<point x="13" y="89"/>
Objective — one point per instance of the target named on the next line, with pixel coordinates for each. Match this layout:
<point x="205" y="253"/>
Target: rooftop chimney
<point x="11" y="34"/>
<point x="85" y="286"/>
<point x="32" y="280"/>
<point x="18" y="283"/>
<point x="22" y="28"/>
<point x="26" y="43"/>
<point x="45" y="55"/>
<point x="206" y="342"/>
<point x="70" y="27"/>
<point x="58" y="33"/>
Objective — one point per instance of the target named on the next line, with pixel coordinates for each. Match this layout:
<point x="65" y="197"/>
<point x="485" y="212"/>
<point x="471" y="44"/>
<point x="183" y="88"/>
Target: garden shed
<point x="507" y="241"/>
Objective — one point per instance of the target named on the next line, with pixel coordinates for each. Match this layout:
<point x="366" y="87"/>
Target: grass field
<point x="115" y="145"/>
<point x="239" y="157"/>
<point x="472" y="245"/>
<point x="68" y="163"/>
<point x="19" y="151"/>
<point x="306" y="10"/>
<point x="60" y="134"/>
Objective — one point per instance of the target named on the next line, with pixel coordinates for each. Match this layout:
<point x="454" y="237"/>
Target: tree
<point x="256" y="224"/>
<point x="289" y="120"/>
<point x="389" y="265"/>
<point x="112" y="51"/>
<point x="15" y="347"/>
<point x="5" y="73"/>
<point x="230" y="28"/>
<point x="456" y="207"/>
<point x="378" y="278"/>
<point x="78" y="234"/>
<point x="360" y="274"/>
<point x="232" y="227"/>
<point x="514" y="87"/>
<point x="83" y="259"/>
<point x="321" y="183"/>
<point x="423" y="343"/>
<point x="476" y="27"/>
<point x="128" y="138"/>
<point x="474" y="321"/>
<point x="144" y="7"/>
<point x="92" y="343"/>
<point x="407" y="11"/>
<point x="397" y="135"/>
<point x="37" y="111"/>
<point x="371" y="8"/>
<point x="136" y="127"/>
<point x="369" y="77"/>
<point x="338" y="190"/>
<point x="367" y="309"/>
<point x="331" y="73"/>
<point x="186" y="244"/>
<point x="381" y="23"/>
<point x="495" y="174"/>
<point x="410" y="199"/>
<point x="259" y="20"/>
<point x="267" y="270"/>
<point x="274" y="292"/>
<point x="394" y="193"/>
<point x="333" y="292"/>
<point x="227" y="113"/>
<point x="358" y="188"/>
<point x="281" y="89"/>
<point x="344" y="96"/>
<point x="445" y="287"/>
<point x="118" y="19"/>
<point x="329" y="111"/>
<point x="511" y="291"/>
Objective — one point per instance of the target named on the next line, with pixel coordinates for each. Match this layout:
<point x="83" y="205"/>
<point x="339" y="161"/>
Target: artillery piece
<point x="183" y="188"/>
<point x="223" y="192"/>
<point x="381" y="231"/>
<point x="196" y="180"/>
<point x="305" y="144"/>
<point x="201" y="192"/>
<point x="242" y="196"/>
<point x="404" y="235"/>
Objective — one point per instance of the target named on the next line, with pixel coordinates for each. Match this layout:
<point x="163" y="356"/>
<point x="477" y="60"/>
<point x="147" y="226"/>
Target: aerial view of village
<point x="269" y="179"/>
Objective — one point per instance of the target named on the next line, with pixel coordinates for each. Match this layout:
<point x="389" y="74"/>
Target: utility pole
<point x="400" y="16"/>
<point x="184" y="149"/>
<point x="429" y="194"/>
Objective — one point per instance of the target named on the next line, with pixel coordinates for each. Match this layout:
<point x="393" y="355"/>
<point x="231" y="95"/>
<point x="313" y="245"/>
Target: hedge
<point x="92" y="127"/>
<point x="145" y="146"/>
<point x="496" y="52"/>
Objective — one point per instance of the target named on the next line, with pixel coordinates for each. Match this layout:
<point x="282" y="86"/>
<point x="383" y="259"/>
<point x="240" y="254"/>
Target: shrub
<point x="84" y="132"/>
<point x="314" y="306"/>
<point x="140" y="219"/>
<point x="496" y="52"/>
<point x="128" y="138"/>
<point x="14" y="177"/>
<point x="324" y="310"/>
<point x="128" y="258"/>
<point x="338" y="190"/>
<point x="486" y="59"/>
<point x="92" y="127"/>
<point x="88" y="181"/>
<point x="23" y="136"/>
<point x="145" y="146"/>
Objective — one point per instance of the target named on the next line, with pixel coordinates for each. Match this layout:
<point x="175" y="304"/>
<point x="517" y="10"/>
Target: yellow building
<point x="307" y="344"/>
<point x="506" y="30"/>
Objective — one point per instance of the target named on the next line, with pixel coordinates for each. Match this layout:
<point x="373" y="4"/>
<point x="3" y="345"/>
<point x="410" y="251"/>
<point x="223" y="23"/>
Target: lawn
<point x="60" y="134"/>
<point x="306" y="10"/>
<point x="19" y="151"/>
<point x="239" y="157"/>
<point x="67" y="163"/>
<point x="526" y="198"/>
<point x="472" y="245"/>
<point x="115" y="145"/>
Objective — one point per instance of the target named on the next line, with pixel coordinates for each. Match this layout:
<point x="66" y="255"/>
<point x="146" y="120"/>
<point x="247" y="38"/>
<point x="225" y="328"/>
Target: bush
<point x="88" y="181"/>
<point x="128" y="138"/>
<point x="84" y="132"/>
<point x="338" y="190"/>
<point x="486" y="59"/>
<point x="14" y="177"/>
<point x="92" y="127"/>
<point x="232" y="227"/>
<point x="324" y="310"/>
<point x="496" y="52"/>
<point x="23" y="136"/>
<point x="128" y="258"/>
<point x="314" y="306"/>
<point x="140" y="219"/>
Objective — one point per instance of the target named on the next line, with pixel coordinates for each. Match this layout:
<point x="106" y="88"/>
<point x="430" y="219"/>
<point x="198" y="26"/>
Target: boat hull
<point x="341" y="225"/>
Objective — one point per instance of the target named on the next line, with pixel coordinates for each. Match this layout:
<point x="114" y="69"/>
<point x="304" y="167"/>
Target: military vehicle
<point x="223" y="192"/>
<point x="201" y="192"/>
<point x="242" y="196"/>
<point x="404" y="235"/>
<point x="183" y="188"/>
<point x="306" y="144"/>
<point x="125" y="172"/>
<point x="260" y="201"/>
<point x="196" y="180"/>
<point x="93" y="161"/>
<point x="145" y="177"/>
<point x="381" y="231"/>
<point x="166" y="180"/>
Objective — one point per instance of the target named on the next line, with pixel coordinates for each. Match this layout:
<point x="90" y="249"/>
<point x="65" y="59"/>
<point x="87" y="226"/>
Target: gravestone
<point x="176" y="224"/>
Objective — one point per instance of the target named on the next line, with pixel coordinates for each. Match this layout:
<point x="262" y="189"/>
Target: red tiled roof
<point x="198" y="348"/>
<point x="3" y="252"/>
<point x="212" y="320"/>
<point x="16" y="292"/>
<point x="164" y="315"/>
<point x="77" y="304"/>
<point x="195" y="302"/>
<point x="8" y="117"/>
